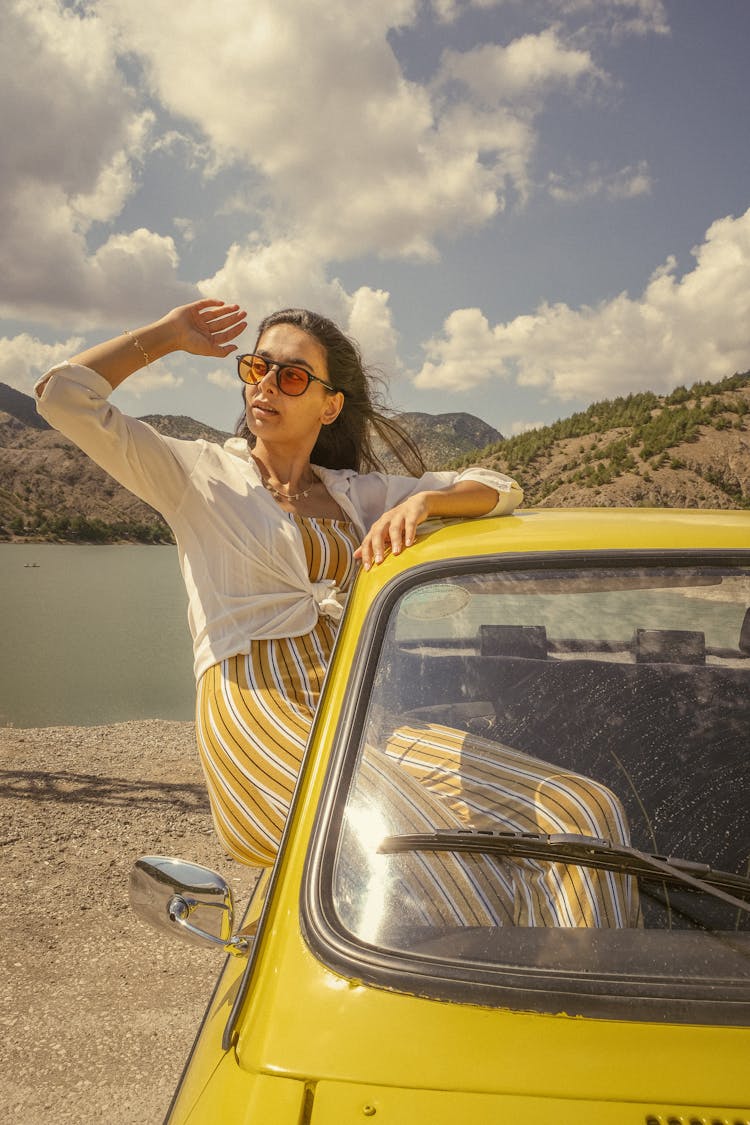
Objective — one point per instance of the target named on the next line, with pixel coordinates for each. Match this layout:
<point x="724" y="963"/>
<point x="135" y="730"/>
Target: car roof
<point x="585" y="529"/>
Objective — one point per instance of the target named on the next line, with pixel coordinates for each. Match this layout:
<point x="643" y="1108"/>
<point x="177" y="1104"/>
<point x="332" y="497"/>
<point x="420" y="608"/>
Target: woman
<point x="269" y="529"/>
<point x="250" y="518"/>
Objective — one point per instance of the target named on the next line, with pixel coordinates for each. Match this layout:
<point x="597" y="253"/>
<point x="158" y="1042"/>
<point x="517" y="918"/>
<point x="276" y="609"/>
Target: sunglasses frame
<point x="270" y="364"/>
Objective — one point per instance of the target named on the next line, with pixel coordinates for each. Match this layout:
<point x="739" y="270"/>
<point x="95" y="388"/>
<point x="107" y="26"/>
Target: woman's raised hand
<point x="206" y="327"/>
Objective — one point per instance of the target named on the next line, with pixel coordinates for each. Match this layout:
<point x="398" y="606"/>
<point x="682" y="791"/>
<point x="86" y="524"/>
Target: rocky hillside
<point x="21" y="407"/>
<point x="442" y="438"/>
<point x="50" y="490"/>
<point x="180" y="426"/>
<point x="690" y="448"/>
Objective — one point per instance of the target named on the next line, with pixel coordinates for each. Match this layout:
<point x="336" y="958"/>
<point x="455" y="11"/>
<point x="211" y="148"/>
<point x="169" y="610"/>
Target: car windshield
<point x="516" y="712"/>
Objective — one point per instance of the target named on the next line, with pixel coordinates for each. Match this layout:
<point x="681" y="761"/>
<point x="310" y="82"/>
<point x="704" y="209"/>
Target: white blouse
<point x="242" y="559"/>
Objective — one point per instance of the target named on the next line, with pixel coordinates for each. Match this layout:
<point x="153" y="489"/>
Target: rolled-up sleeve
<point x="509" y="491"/>
<point x="74" y="400"/>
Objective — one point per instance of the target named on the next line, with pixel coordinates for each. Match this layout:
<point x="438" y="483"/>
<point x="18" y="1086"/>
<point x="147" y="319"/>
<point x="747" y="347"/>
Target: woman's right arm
<point x="202" y="328"/>
<point x="73" y="398"/>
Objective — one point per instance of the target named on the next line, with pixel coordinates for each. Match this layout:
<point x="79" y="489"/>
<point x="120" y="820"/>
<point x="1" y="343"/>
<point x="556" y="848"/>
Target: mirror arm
<point x="179" y="911"/>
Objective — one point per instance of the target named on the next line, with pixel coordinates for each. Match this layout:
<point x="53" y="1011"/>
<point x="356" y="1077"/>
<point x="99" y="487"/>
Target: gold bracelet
<point x="139" y="345"/>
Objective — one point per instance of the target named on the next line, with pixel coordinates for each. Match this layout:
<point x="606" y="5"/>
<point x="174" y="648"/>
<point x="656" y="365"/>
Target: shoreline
<point x="17" y="540"/>
<point x="81" y="728"/>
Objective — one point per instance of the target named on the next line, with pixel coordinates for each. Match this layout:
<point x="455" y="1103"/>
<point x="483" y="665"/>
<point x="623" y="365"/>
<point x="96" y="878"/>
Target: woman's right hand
<point x="206" y="327"/>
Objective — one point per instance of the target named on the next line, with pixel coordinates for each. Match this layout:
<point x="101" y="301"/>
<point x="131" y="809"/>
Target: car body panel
<point x="471" y="1048"/>
<point x="236" y="1096"/>
<point x="362" y="1050"/>
<point x="337" y="1103"/>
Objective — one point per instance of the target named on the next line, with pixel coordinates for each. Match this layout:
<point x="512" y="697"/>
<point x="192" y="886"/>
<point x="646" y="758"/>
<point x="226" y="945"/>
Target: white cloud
<point x="185" y="228"/>
<point x="354" y="158"/>
<point x="157" y="377"/>
<point x="678" y="331"/>
<point x="525" y="69"/>
<point x="53" y="277"/>
<point x="504" y="88"/>
<point x="193" y="153"/>
<point x="222" y="379"/>
<point x="447" y="11"/>
<point x="115" y="180"/>
<point x="468" y="353"/>
<point x="616" y="18"/>
<point x="340" y="155"/>
<point x="264" y="277"/>
<point x="371" y="325"/>
<point x="24" y="358"/>
<point x="72" y="137"/>
<point x="626" y="183"/>
<point x="137" y="265"/>
<point x="288" y="274"/>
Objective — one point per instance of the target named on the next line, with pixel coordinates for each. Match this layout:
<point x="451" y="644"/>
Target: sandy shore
<point x="97" y="1011"/>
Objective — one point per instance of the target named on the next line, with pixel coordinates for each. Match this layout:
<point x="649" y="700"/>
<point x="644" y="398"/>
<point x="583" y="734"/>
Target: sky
<point x="517" y="207"/>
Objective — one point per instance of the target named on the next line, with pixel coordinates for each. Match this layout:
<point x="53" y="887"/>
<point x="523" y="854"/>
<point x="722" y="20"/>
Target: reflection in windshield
<point x="428" y="776"/>
<point x="586" y="850"/>
<point x="608" y="704"/>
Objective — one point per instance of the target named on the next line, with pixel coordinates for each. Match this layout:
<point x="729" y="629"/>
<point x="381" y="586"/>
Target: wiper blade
<point x="585" y="851"/>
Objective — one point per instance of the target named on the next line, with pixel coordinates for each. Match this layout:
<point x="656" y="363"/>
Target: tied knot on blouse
<point x="329" y="599"/>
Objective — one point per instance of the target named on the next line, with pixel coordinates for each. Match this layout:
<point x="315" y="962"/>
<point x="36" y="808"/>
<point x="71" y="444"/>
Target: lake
<point x="92" y="634"/>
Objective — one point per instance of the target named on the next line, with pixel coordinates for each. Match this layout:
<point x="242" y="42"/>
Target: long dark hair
<point x="347" y="443"/>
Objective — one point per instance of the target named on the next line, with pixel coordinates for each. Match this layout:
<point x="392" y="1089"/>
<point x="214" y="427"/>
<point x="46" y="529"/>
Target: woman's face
<point x="273" y="416"/>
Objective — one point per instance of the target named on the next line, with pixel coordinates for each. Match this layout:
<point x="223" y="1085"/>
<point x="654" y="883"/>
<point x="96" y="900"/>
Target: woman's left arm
<point x="397" y="528"/>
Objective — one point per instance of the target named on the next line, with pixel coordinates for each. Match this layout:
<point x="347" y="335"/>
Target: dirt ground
<point x="97" y="1011"/>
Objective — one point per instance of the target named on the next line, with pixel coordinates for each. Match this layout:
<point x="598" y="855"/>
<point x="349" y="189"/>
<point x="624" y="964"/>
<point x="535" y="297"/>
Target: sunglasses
<point x="290" y="379"/>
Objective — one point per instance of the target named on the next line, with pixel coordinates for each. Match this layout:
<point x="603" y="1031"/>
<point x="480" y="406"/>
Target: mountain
<point x="690" y="448"/>
<point x="21" y="407"/>
<point x="180" y="426"/>
<point x="441" y="438"/>
<point x="50" y="490"/>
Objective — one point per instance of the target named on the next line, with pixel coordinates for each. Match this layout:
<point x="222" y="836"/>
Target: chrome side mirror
<point x="185" y="900"/>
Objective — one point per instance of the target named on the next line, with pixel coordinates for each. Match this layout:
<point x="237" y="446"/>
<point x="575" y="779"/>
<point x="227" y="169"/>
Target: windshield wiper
<point x="585" y="851"/>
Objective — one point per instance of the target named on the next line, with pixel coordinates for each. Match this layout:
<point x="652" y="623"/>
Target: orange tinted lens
<point x="255" y="368"/>
<point x="293" y="380"/>
<point x="252" y="369"/>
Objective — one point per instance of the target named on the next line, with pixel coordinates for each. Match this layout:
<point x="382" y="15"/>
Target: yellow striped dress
<point x="254" y="710"/>
<point x="253" y="716"/>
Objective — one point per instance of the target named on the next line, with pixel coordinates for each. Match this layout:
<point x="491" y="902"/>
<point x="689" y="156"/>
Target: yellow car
<point x="514" y="886"/>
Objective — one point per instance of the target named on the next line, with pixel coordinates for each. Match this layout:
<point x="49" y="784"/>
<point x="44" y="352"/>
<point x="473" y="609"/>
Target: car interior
<point x="662" y="721"/>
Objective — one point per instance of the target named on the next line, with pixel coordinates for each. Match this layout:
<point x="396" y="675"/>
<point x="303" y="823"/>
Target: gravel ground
<point x="97" y="1011"/>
